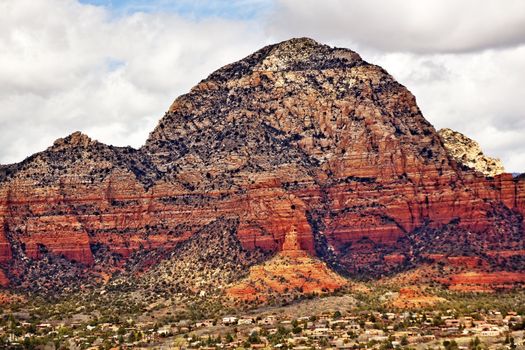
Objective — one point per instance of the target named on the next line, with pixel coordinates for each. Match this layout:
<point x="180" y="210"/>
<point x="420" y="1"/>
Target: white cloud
<point x="479" y="94"/>
<point x="67" y="66"/>
<point x="406" y="25"/>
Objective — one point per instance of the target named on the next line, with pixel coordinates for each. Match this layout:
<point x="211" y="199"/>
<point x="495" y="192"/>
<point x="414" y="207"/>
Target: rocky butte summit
<point x="298" y="138"/>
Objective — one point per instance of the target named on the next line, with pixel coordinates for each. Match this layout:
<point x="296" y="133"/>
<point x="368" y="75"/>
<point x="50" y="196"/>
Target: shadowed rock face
<point x="467" y="152"/>
<point x="297" y="135"/>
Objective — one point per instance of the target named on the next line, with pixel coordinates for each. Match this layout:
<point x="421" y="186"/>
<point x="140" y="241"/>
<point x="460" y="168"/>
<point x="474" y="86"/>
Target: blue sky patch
<point x="196" y="9"/>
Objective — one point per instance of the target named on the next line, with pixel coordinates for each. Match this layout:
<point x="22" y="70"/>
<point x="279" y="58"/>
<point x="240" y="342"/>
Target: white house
<point x="229" y="320"/>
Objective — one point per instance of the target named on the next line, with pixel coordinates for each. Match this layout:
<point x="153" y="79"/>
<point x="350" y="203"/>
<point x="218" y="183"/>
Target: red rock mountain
<point x="298" y="136"/>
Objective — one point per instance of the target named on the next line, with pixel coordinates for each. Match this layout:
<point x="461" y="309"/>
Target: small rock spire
<point x="76" y="139"/>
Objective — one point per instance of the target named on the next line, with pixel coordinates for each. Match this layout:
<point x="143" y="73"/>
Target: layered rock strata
<point x="290" y="273"/>
<point x="298" y="136"/>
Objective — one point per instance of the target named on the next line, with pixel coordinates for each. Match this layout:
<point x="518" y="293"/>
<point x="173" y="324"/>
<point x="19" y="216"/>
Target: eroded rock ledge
<point x="468" y="152"/>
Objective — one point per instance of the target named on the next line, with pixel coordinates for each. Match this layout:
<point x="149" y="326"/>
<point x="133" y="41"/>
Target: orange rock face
<point x="296" y="137"/>
<point x="291" y="272"/>
<point x="7" y="298"/>
<point x="484" y="281"/>
<point x="415" y="298"/>
<point x="4" y="281"/>
<point x="286" y="275"/>
<point x="5" y="247"/>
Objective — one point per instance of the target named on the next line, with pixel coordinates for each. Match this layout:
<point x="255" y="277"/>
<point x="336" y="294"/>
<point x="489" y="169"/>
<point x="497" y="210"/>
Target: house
<point x="272" y="330"/>
<point x="399" y="335"/>
<point x="247" y="320"/>
<point x="181" y="323"/>
<point x="353" y="327"/>
<point x="428" y="338"/>
<point x="512" y="319"/>
<point x="195" y="344"/>
<point x="452" y="322"/>
<point x="338" y="322"/>
<point x="297" y="340"/>
<point x="164" y="330"/>
<point x="302" y="347"/>
<point x="379" y="338"/>
<point x="429" y="321"/>
<point x="229" y="320"/>
<point x="491" y="331"/>
<point x="495" y="317"/>
<point x="450" y="330"/>
<point x="268" y="320"/>
<point x="205" y="323"/>
<point x="467" y="321"/>
<point x="321" y="332"/>
<point x="374" y="332"/>
<point x="340" y="344"/>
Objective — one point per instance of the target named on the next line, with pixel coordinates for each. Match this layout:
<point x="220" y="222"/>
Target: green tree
<point x="229" y="338"/>
<point x="121" y="331"/>
<point x="131" y="337"/>
<point x="475" y="344"/>
<point x="254" y="338"/>
<point x="297" y="330"/>
<point x="450" y="345"/>
<point x="404" y="340"/>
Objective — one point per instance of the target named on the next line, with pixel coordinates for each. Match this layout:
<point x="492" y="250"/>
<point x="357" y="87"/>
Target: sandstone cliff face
<point x="290" y="273"/>
<point x="296" y="136"/>
<point x="467" y="152"/>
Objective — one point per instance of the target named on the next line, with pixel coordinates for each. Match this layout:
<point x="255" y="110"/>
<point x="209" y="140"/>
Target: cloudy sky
<point x="110" y="68"/>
